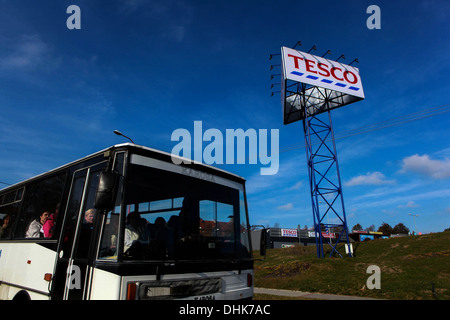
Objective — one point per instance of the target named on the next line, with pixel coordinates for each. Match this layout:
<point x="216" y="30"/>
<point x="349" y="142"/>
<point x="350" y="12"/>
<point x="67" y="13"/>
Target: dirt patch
<point x="287" y="269"/>
<point x="390" y="270"/>
<point x="445" y="253"/>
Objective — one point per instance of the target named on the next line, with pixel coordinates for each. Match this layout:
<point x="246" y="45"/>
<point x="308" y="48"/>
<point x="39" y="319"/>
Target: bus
<point x="126" y="223"/>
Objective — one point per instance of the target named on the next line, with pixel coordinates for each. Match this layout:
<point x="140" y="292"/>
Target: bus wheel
<point x="22" y="296"/>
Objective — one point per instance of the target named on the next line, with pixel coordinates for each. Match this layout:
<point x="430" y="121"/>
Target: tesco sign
<point x="317" y="71"/>
<point x="289" y="232"/>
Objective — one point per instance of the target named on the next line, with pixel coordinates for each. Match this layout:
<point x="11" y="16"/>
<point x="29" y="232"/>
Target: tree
<point x="385" y="228"/>
<point x="357" y="227"/>
<point x="337" y="229"/>
<point x="371" y="228"/>
<point x="400" y="228"/>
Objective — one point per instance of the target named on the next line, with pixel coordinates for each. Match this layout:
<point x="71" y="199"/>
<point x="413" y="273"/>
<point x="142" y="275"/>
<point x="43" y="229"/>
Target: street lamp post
<point x="121" y="134"/>
<point x="414" y="218"/>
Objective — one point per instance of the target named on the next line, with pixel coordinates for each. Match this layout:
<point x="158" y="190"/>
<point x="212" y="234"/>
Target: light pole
<point x="121" y="134"/>
<point x="414" y="218"/>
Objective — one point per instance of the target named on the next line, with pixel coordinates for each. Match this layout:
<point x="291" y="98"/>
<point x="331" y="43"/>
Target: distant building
<point x="366" y="235"/>
<point x="286" y="237"/>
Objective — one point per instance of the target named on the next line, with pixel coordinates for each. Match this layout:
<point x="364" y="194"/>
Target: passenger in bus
<point x="111" y="231"/>
<point x="175" y="233"/>
<point x="85" y="234"/>
<point x="159" y="238"/>
<point x="49" y="225"/>
<point x="35" y="228"/>
<point x="4" y="229"/>
<point x="89" y="217"/>
<point x="131" y="230"/>
<point x="189" y="216"/>
<point x="143" y="230"/>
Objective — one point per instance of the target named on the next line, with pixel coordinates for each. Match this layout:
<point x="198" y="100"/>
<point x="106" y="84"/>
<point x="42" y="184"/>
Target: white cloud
<point x="374" y="178"/>
<point x="409" y="204"/>
<point x="389" y="201"/>
<point x="29" y="52"/>
<point x="436" y="169"/>
<point x="287" y="206"/>
<point x="296" y="186"/>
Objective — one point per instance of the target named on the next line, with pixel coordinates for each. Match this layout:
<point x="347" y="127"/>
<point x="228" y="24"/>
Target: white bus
<point x="126" y="223"/>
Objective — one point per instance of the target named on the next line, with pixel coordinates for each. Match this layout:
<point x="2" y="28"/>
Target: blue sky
<point x="148" y="68"/>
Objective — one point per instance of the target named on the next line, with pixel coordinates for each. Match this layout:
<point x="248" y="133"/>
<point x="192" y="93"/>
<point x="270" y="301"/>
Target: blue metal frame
<point x="322" y="164"/>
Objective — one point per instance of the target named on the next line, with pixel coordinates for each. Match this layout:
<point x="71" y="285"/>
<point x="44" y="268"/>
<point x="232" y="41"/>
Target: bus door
<point x="72" y="274"/>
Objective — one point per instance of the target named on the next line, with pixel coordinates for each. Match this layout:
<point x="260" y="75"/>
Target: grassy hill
<point x="412" y="268"/>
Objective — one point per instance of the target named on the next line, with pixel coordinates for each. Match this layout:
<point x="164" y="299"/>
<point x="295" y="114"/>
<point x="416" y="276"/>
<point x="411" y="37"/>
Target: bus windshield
<point x="174" y="213"/>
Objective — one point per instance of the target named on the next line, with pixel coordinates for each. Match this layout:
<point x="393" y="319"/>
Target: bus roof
<point x="166" y="154"/>
<point x="140" y="149"/>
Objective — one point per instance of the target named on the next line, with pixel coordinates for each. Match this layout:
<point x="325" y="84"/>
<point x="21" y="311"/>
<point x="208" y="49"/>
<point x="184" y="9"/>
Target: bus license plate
<point x="157" y="291"/>
<point x="208" y="297"/>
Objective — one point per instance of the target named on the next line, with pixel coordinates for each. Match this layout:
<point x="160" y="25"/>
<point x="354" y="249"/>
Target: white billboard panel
<point x="317" y="71"/>
<point x="289" y="232"/>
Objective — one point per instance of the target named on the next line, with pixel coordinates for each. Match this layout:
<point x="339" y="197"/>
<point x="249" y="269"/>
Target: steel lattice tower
<point x="324" y="181"/>
<point x="311" y="86"/>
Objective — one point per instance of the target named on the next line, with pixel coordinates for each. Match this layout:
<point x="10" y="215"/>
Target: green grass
<point x="410" y="268"/>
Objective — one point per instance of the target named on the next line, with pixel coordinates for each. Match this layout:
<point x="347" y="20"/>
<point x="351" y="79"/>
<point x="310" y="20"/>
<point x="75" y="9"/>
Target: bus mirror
<point x="106" y="191"/>
<point x="263" y="242"/>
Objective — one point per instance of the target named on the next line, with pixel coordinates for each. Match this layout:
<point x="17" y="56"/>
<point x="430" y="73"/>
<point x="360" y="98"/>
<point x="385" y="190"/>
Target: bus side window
<point x="10" y="214"/>
<point x="40" y="197"/>
<point x="9" y="208"/>
<point x="71" y="215"/>
<point x="90" y="215"/>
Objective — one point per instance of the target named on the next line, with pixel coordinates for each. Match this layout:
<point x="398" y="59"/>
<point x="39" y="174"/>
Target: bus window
<point x="40" y="197"/>
<point x="89" y="214"/>
<point x="108" y="248"/>
<point x="182" y="217"/>
<point x="216" y="219"/>
<point x="73" y="208"/>
<point x="244" y="228"/>
<point x="9" y="209"/>
<point x="10" y="213"/>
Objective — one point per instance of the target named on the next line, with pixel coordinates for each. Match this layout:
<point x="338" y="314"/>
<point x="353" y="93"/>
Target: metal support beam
<point x="324" y="179"/>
